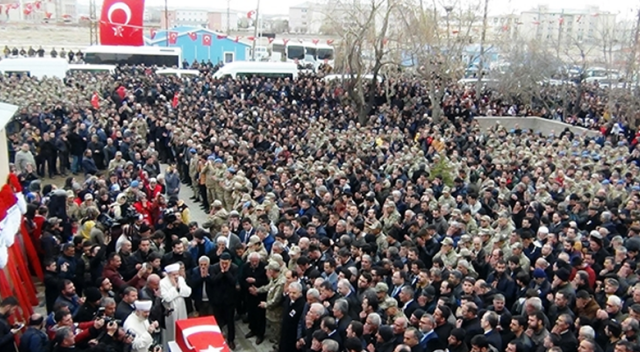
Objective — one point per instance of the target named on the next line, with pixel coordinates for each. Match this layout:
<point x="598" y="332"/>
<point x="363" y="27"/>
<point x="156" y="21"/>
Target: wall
<point x="194" y="49"/>
<point x="536" y="124"/>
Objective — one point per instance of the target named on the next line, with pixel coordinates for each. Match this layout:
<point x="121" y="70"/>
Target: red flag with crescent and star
<point x="206" y="39"/>
<point x="176" y="100"/>
<point x="152" y="33"/>
<point x="173" y="37"/>
<point x="200" y="335"/>
<point x="193" y="36"/>
<point x="121" y="22"/>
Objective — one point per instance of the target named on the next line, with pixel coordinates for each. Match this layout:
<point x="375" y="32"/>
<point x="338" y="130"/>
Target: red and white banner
<point x="28" y="8"/>
<point x="250" y="14"/>
<point x="315" y="41"/>
<point x="221" y="36"/>
<point x="200" y="334"/>
<point x="329" y="41"/>
<point x="121" y="22"/>
<point x="173" y="37"/>
<point x="193" y="36"/>
<point x="152" y="33"/>
<point x="206" y="39"/>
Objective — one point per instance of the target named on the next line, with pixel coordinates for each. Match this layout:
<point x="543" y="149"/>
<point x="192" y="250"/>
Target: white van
<point x="35" y="67"/>
<point x="177" y="72"/>
<point x="92" y="68"/>
<point x="239" y="69"/>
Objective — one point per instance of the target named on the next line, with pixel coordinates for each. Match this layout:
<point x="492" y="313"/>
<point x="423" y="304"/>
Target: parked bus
<point x="92" y="68"/>
<point x="133" y="55"/>
<point x="325" y="54"/>
<point x="38" y="67"/>
<point x="290" y="52"/>
<point x="249" y="69"/>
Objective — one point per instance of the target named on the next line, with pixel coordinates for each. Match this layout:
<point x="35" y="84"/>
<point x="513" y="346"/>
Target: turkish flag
<point x="38" y="4"/>
<point x="315" y="41"/>
<point x="251" y="38"/>
<point x="221" y="36"/>
<point x="237" y="39"/>
<point x="152" y="33"/>
<point x="206" y="39"/>
<point x="193" y="36"/>
<point x="95" y="100"/>
<point x="121" y="22"/>
<point x="200" y="334"/>
<point x="250" y="14"/>
<point x="173" y="37"/>
<point x="28" y="8"/>
<point x="329" y="41"/>
<point x="48" y="15"/>
<point x="285" y="41"/>
<point x="270" y="40"/>
<point x="15" y="6"/>
<point x="176" y="100"/>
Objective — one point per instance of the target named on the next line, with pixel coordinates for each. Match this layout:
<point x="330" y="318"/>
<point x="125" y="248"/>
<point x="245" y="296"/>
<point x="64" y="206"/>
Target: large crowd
<point x="322" y="233"/>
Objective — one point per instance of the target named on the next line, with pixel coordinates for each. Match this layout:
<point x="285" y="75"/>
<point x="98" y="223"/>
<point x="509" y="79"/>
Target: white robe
<point x="172" y="299"/>
<point x="139" y="326"/>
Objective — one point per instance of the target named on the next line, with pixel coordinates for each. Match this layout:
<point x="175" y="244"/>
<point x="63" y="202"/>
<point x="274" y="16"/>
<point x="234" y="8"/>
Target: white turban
<point x="143" y="305"/>
<point x="172" y="268"/>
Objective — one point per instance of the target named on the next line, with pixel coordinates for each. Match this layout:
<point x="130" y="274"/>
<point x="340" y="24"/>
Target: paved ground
<point x="197" y="214"/>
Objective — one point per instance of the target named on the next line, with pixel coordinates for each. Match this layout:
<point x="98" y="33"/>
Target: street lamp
<point x="448" y="8"/>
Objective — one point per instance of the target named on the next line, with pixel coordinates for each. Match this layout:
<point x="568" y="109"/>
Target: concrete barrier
<point x="536" y="124"/>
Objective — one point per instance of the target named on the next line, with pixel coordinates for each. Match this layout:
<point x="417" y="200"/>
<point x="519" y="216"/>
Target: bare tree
<point x="365" y="47"/>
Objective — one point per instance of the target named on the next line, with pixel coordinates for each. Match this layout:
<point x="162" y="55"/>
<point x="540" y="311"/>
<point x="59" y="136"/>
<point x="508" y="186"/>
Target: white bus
<point x="325" y="54"/>
<point x="241" y="69"/>
<point x="177" y="72"/>
<point x="35" y="67"/>
<point x="133" y="55"/>
<point x="290" y="51"/>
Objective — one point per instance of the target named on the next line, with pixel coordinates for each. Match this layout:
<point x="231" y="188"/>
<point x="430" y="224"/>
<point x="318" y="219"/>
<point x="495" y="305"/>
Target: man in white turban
<point x="138" y="323"/>
<point x="173" y="290"/>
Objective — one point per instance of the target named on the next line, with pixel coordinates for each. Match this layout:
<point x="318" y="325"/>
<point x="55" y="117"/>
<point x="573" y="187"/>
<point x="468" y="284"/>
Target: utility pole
<point x="482" y="43"/>
<point x="166" y="23"/>
<point x="228" y="17"/>
<point x="256" y="23"/>
<point x="560" y="25"/>
<point x="93" y="23"/>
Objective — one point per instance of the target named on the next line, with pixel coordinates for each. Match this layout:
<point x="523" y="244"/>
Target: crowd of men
<point x="322" y="233"/>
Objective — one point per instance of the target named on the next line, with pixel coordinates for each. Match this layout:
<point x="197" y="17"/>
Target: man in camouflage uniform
<point x="447" y="253"/>
<point x="210" y="179"/>
<point x="218" y="174"/>
<point x="227" y="188"/>
<point x="273" y="304"/>
<point x="193" y="171"/>
<point x="217" y="217"/>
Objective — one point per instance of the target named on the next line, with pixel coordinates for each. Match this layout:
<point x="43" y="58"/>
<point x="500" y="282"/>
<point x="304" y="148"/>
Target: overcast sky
<point x="626" y="8"/>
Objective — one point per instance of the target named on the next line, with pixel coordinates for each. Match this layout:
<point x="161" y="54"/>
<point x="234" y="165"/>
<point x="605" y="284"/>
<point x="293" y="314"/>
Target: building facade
<point x="215" y="20"/>
<point x="590" y="25"/>
<point x="222" y="49"/>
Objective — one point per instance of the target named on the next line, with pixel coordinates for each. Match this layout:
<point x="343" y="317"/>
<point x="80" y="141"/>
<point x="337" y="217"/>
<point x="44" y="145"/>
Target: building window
<point x="229" y="56"/>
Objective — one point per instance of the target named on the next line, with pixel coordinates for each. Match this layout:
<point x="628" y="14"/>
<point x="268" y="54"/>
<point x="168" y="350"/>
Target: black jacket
<point x="7" y="344"/>
<point x="225" y="284"/>
<point x="34" y="340"/>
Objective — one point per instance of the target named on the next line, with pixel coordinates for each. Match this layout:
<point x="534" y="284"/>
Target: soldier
<point x="227" y="187"/>
<point x="31" y="52"/>
<point x="6" y="51"/>
<point x="63" y="54"/>
<point x="22" y="52"/>
<point x="273" y="304"/>
<point x="447" y="253"/>
<point x="217" y="217"/>
<point x="193" y="172"/>
<point x="40" y="51"/>
<point x="54" y="53"/>
<point x="210" y="179"/>
<point x="219" y="168"/>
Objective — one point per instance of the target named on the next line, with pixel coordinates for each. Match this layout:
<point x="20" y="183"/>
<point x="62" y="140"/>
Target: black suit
<point x="343" y="324"/>
<point x="494" y="339"/>
<point x="123" y="310"/>
<point x="471" y="328"/>
<point x="568" y="342"/>
<point x="335" y="336"/>
<point x="410" y="308"/>
<point x="6" y="337"/>
<point x="443" y="331"/>
<point x="290" y="320"/>
<point x="224" y="297"/>
<point x="354" y="305"/>
<point x="256" y="315"/>
<point x="199" y="285"/>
